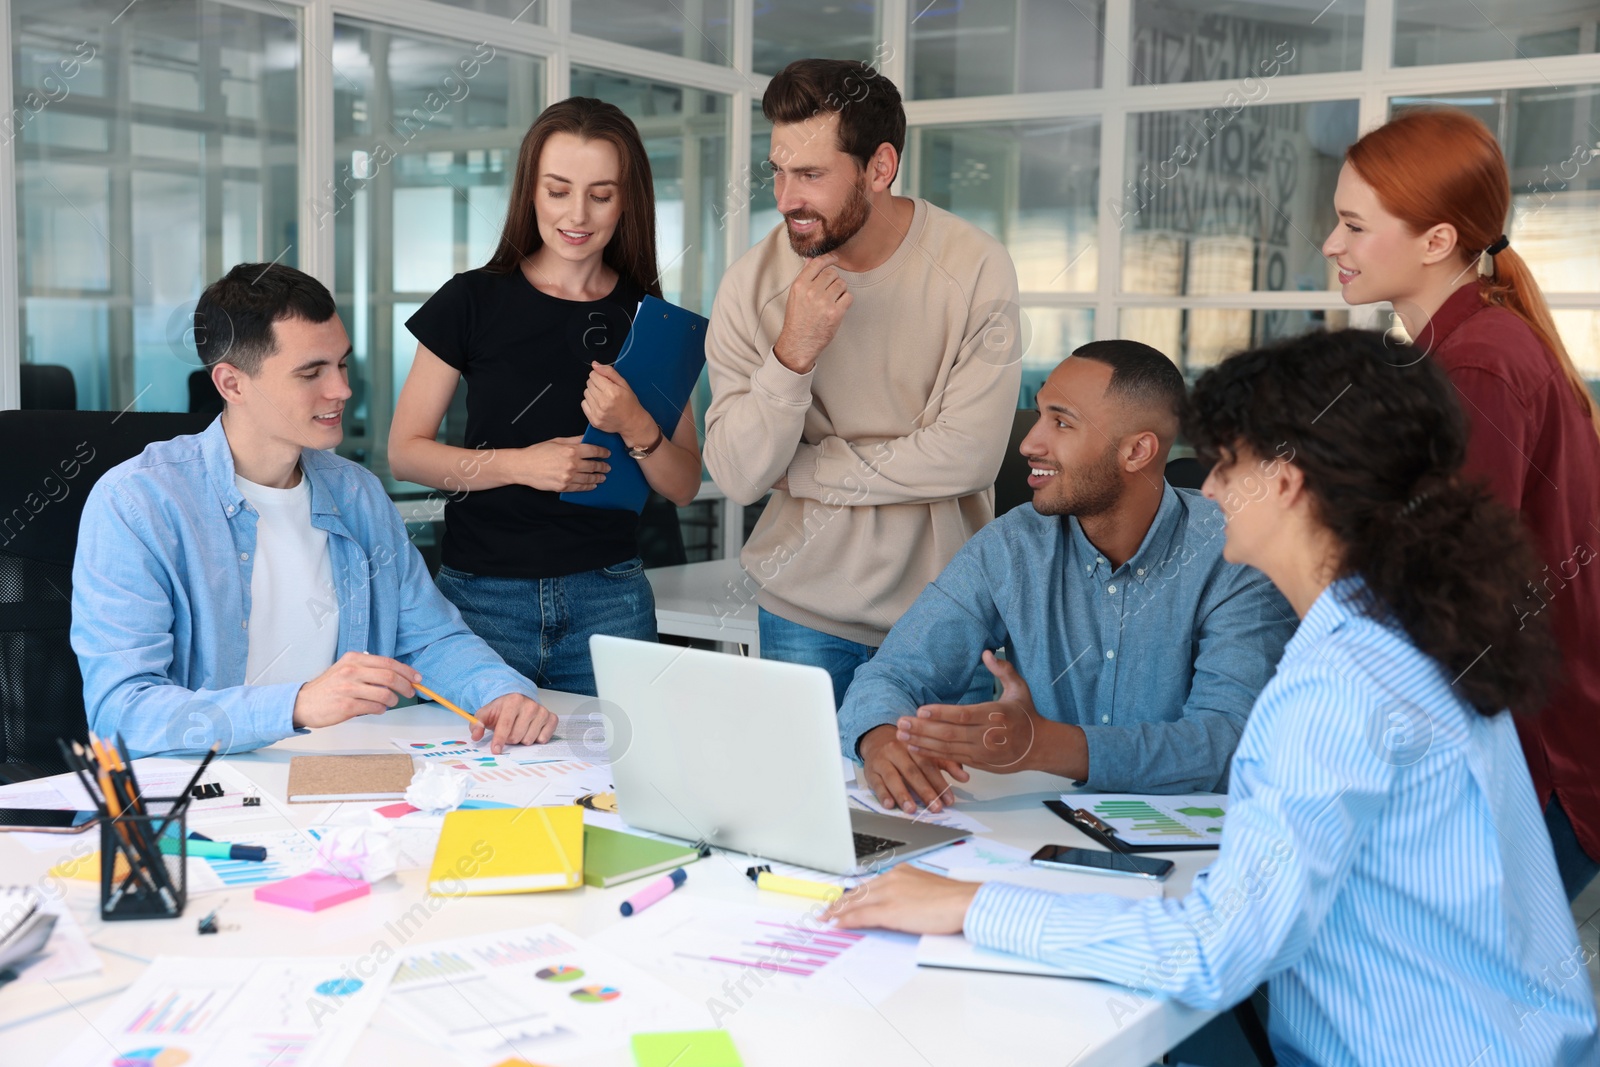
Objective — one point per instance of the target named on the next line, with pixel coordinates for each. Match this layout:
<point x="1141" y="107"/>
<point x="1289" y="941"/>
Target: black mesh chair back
<point x="52" y="459"/>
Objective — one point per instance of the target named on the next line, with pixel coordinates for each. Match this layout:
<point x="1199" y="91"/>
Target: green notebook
<point x="611" y="857"/>
<point x="686" y="1048"/>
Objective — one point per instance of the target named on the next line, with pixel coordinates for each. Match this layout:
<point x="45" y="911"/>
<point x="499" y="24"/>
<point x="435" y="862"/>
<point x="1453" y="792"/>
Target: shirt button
<point x="230" y="509"/>
<point x="1105" y="718"/>
<point x="244" y="624"/>
<point x="1111" y="589"/>
<point x="1099" y="559"/>
<point x="244" y="555"/>
<point x="1110" y="654"/>
<point x="1140" y="572"/>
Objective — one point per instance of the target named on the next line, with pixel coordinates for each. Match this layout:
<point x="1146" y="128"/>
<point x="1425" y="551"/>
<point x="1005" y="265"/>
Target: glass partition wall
<point x="1159" y="169"/>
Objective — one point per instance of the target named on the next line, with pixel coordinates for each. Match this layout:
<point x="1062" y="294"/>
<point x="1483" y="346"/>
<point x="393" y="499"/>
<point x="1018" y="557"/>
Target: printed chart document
<point x="539" y="994"/>
<point x="308" y="1012"/>
<point x="793" y="951"/>
<point x="580" y="736"/>
<point x="1145" y="821"/>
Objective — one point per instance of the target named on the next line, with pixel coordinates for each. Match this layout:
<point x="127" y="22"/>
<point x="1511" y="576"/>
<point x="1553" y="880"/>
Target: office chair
<point x="55" y="458"/>
<point x="660" y="536"/>
<point x="203" y="396"/>
<point x="48" y="387"/>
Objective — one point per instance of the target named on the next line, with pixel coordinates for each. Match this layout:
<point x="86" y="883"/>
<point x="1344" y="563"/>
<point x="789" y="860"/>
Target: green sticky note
<point x="686" y="1048"/>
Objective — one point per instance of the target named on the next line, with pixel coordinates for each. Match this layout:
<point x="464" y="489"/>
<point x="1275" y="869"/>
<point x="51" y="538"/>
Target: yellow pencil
<point x="442" y="702"/>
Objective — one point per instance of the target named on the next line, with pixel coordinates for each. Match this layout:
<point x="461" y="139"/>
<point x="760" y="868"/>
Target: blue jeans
<point x="794" y="643"/>
<point x="541" y="626"/>
<point x="1577" y="870"/>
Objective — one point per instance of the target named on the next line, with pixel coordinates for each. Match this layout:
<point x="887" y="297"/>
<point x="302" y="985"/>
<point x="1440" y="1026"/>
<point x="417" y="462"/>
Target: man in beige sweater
<point x="864" y="364"/>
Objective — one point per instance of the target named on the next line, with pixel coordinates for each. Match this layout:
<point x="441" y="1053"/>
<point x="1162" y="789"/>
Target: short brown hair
<point x="867" y="103"/>
<point x="233" y="319"/>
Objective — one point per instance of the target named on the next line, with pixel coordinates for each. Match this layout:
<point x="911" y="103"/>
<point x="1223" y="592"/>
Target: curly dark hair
<point x="1380" y="442"/>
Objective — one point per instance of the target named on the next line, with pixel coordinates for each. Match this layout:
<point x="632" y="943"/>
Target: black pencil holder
<point x="137" y="880"/>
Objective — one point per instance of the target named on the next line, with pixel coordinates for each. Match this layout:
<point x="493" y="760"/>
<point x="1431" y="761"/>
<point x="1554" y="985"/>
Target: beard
<point x="1092" y="491"/>
<point x="834" y="232"/>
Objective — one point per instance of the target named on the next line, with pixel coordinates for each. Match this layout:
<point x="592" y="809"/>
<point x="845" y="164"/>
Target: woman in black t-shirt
<point x="534" y="333"/>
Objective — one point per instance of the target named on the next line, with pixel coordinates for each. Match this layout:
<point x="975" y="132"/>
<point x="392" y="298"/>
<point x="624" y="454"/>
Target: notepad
<point x="508" y="850"/>
<point x="686" y="1048"/>
<point x="611" y="857"/>
<point x="312" y="891"/>
<point x="324" y="779"/>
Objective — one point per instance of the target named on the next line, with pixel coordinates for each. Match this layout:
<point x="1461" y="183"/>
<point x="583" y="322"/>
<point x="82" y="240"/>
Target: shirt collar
<point x="218" y="460"/>
<point x="1462" y="305"/>
<point x="1335" y="605"/>
<point x="1152" y="550"/>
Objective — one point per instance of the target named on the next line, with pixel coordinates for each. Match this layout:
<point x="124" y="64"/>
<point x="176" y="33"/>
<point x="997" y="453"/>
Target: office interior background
<point x="1158" y="169"/>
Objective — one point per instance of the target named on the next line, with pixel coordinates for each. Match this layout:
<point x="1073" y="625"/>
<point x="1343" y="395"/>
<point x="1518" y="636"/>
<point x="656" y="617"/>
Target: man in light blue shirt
<point x="1133" y="650"/>
<point x="242" y="584"/>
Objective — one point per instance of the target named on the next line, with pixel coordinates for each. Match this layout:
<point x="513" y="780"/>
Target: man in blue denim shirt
<point x="242" y="584"/>
<point x="1134" y="651"/>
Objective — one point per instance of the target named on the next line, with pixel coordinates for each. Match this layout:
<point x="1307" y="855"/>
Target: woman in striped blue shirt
<point x="1384" y="863"/>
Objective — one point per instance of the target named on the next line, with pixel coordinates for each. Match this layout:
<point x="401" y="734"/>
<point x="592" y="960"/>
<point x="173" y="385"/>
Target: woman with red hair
<point x="1422" y="202"/>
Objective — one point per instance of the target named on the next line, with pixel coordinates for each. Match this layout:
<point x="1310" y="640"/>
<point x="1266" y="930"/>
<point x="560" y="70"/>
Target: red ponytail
<point x="1440" y="165"/>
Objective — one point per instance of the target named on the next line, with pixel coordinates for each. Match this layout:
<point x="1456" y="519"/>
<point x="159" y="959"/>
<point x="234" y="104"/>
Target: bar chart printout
<point x="1144" y="821"/>
<point x="201" y="1012"/>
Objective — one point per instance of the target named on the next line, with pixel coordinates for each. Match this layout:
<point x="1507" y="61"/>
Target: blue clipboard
<point x="661" y="361"/>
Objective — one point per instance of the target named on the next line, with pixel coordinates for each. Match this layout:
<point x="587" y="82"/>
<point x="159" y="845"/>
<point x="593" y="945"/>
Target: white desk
<point x="937" y="1018"/>
<point x="712" y="601"/>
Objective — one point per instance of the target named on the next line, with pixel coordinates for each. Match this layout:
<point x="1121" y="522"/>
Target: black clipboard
<point x="661" y="362"/>
<point x="1102" y="833"/>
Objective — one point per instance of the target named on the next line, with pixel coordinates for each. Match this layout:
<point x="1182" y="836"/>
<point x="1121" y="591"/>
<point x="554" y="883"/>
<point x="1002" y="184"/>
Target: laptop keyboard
<point x="868" y="845"/>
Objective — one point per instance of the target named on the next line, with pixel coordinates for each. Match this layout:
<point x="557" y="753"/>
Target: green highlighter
<point x="200" y="845"/>
<point x="686" y="1048"/>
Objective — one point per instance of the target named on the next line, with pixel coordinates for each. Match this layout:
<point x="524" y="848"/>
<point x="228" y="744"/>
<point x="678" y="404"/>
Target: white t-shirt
<point x="294" y="608"/>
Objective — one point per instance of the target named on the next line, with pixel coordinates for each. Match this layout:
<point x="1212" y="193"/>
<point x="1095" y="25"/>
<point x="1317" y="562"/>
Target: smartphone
<point x="47" y="820"/>
<point x="1089" y="859"/>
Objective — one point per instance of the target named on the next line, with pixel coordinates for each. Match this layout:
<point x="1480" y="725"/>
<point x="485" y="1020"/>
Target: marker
<point x="801" y="887"/>
<point x="656" y="890"/>
<point x="216" y="850"/>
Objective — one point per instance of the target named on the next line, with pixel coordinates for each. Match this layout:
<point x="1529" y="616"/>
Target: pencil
<point x="443" y="703"/>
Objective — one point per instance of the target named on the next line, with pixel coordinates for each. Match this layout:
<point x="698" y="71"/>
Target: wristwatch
<point x="640" y="453"/>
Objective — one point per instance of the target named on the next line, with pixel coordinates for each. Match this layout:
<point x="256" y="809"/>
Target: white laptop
<point x="740" y="753"/>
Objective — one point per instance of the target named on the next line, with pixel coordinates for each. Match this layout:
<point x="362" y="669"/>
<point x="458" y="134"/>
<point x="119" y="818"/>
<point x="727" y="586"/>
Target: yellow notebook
<point x="508" y="850"/>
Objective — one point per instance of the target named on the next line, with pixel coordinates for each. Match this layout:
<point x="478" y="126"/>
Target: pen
<point x="443" y="703"/>
<point x="656" y="890"/>
<point x="801" y="887"/>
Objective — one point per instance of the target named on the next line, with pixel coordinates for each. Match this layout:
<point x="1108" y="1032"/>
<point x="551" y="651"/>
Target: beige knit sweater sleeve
<point x="758" y="406"/>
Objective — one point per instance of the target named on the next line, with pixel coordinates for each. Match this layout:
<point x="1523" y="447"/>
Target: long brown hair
<point x="631" y="252"/>
<point x="1441" y="165"/>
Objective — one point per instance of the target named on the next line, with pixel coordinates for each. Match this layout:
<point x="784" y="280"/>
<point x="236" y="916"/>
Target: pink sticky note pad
<point x="313" y="891"/>
<point x="394" y="811"/>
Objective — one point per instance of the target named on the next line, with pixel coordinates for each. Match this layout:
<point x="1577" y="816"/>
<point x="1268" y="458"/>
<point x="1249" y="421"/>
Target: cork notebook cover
<point x="319" y="779"/>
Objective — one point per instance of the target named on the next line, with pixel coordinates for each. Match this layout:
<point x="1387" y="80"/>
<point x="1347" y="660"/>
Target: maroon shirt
<point x="1536" y="450"/>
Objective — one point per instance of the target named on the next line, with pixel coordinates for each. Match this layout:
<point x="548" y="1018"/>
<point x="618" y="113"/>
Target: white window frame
<point x="1372" y="86"/>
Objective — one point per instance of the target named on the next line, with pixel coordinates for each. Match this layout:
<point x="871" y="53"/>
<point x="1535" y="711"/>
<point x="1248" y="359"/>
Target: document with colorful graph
<point x="1147" y="821"/>
<point x="577" y="737"/>
<point x="193" y="1012"/>
<point x="538" y="993"/>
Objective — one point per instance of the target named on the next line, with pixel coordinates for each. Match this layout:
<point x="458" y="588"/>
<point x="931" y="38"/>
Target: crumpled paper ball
<point x="364" y="852"/>
<point x="436" y="789"/>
